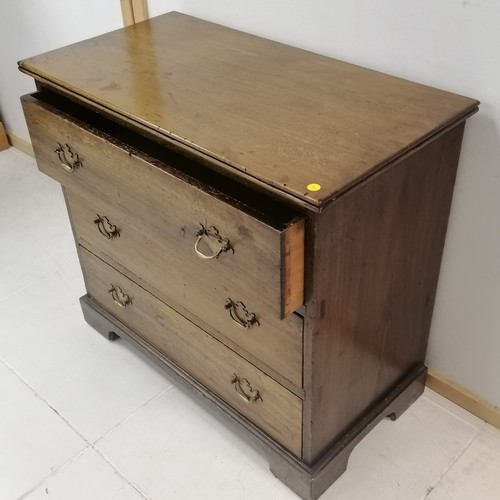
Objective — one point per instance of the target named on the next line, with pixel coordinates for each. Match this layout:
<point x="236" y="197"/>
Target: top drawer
<point x="258" y="243"/>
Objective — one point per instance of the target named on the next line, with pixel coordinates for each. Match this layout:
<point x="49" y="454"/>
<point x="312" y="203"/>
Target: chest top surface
<point x="268" y="111"/>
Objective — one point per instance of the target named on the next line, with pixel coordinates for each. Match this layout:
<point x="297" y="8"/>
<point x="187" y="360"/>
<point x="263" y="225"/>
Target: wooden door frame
<point x="134" y="11"/>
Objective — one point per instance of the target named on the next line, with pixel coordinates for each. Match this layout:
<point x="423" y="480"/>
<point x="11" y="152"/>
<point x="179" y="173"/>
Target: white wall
<point x="29" y="27"/>
<point x="157" y="7"/>
<point x="451" y="44"/>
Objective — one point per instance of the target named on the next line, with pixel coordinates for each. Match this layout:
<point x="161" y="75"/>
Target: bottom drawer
<point x="261" y="399"/>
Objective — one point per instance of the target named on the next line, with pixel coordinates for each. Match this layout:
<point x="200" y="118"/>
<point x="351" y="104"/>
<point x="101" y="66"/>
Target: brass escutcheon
<point x="240" y="315"/>
<point x="108" y="230"/>
<point x="213" y="239"/>
<point x="121" y="299"/>
<point x="245" y="390"/>
<point x="70" y="160"/>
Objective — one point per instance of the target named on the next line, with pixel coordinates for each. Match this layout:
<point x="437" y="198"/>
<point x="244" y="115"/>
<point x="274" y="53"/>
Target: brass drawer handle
<point x="70" y="160"/>
<point x="108" y="230"/>
<point x="211" y="233"/>
<point x="240" y="315"/>
<point x="121" y="299"/>
<point x="244" y="390"/>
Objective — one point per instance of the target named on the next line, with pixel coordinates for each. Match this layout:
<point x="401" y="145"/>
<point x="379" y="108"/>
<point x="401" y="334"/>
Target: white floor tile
<point x="88" y="477"/>
<point x="70" y="271"/>
<point x="92" y="382"/>
<point x="172" y="448"/>
<point x="33" y="226"/>
<point x="23" y="187"/>
<point x="34" y="440"/>
<point x="403" y="459"/>
<point x="453" y="408"/>
<point x="476" y="474"/>
<point x="172" y="439"/>
<point x="19" y="265"/>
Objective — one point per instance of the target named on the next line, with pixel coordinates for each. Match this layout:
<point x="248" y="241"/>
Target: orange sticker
<point x="313" y="187"/>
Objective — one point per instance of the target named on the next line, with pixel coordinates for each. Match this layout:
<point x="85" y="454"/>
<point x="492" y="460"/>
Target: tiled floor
<point x="85" y="419"/>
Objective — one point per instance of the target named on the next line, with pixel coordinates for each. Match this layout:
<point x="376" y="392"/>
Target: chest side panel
<point x="375" y="270"/>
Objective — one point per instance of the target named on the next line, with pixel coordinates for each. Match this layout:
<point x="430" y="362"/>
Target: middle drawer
<point x="141" y="247"/>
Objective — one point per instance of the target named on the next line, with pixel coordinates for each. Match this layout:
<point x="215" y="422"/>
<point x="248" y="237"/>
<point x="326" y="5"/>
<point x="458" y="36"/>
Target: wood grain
<point x="159" y="215"/>
<point x="305" y="118"/>
<point x="176" y="204"/>
<point x="331" y="182"/>
<point x="279" y="412"/>
<point x="375" y="265"/>
<point x="275" y="343"/>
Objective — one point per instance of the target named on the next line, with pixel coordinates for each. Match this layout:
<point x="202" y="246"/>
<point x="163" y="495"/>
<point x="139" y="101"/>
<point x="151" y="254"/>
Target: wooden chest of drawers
<point x="264" y="222"/>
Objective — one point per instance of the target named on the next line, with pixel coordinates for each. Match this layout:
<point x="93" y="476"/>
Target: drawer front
<point x="203" y="229"/>
<point x="250" y="391"/>
<point x="132" y="242"/>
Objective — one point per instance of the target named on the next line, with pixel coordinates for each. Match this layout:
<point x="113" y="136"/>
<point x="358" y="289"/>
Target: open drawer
<point x="233" y="231"/>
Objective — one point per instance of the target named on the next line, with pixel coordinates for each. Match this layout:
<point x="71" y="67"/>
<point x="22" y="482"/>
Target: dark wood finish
<point x="308" y="482"/>
<point x="277" y="411"/>
<point x="106" y="324"/>
<point x="143" y="250"/>
<point x="142" y="185"/>
<point x="234" y="346"/>
<point x="185" y="78"/>
<point x="375" y="266"/>
<point x="333" y="183"/>
<point x="158" y="215"/>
